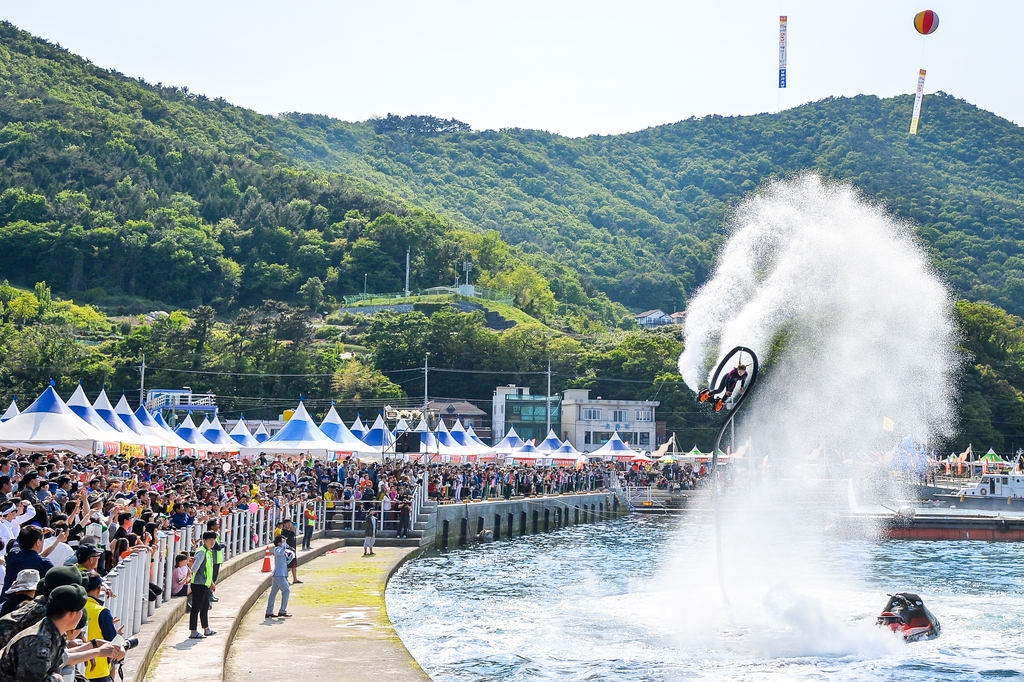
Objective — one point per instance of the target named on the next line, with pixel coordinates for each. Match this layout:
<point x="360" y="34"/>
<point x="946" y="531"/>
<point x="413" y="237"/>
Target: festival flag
<point x="917" y="103"/>
<point x="887" y="424"/>
<point x="782" y="51"/>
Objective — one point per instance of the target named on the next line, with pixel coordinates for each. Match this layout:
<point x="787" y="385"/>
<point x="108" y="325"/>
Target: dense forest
<point x="126" y="197"/>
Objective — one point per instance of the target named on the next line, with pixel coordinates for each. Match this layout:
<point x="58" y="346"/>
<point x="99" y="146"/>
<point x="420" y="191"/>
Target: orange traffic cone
<point x="266" y="561"/>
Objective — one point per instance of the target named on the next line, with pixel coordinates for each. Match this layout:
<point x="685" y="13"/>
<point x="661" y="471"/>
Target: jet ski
<point x="906" y="615"/>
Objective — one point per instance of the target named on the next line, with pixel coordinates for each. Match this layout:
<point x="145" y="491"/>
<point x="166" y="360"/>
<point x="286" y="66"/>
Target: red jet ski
<point x="906" y="615"/>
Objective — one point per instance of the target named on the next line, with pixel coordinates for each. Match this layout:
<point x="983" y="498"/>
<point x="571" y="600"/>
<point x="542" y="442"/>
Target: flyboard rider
<point x="738" y="375"/>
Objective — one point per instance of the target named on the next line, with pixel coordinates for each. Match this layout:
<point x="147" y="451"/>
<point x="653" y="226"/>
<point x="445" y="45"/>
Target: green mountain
<point x="110" y="187"/>
<point x="641" y="215"/>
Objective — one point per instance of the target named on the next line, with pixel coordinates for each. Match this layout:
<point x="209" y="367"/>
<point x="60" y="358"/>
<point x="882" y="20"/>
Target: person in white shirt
<point x="10" y="525"/>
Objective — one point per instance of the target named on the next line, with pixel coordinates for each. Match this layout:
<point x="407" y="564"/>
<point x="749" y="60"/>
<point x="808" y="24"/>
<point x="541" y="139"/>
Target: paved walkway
<point x="181" y="659"/>
<point x="339" y="628"/>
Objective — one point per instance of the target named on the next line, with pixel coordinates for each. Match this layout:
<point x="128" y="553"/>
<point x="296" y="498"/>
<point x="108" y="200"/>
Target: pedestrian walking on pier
<point x="283" y="556"/>
<point x="369" y="532"/>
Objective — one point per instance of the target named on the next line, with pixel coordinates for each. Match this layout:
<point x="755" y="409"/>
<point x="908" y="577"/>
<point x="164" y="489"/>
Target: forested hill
<point x="641" y="214"/>
<point x="111" y="188"/>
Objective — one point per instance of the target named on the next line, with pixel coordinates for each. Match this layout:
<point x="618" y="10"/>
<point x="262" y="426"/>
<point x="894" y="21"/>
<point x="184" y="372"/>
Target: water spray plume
<point x="839" y="299"/>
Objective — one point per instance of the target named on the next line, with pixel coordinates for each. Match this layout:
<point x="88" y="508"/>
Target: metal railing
<point x="349" y="515"/>
<point x="241" y="532"/>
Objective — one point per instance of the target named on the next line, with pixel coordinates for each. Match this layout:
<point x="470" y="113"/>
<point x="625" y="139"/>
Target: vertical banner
<point x="917" y="103"/>
<point x="782" y="51"/>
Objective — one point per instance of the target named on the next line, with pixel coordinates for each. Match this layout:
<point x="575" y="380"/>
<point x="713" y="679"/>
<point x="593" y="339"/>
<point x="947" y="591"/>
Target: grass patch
<point x="359" y="583"/>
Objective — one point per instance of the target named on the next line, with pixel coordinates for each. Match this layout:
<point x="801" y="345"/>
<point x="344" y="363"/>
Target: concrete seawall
<point x="457" y="525"/>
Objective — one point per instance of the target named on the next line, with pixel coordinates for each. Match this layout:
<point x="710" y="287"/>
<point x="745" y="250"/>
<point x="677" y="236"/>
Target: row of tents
<point x="98" y="427"/>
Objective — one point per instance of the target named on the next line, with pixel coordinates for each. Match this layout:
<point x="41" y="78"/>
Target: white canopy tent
<point x="216" y="434"/>
<point x="334" y="428"/>
<point x="299" y="436"/>
<point x="12" y="410"/>
<point x="49" y="424"/>
<point x="242" y="435"/>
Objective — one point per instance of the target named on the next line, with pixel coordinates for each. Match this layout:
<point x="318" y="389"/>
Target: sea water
<point x="636" y="599"/>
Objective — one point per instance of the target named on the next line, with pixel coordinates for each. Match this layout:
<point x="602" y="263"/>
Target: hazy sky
<point x="570" y="67"/>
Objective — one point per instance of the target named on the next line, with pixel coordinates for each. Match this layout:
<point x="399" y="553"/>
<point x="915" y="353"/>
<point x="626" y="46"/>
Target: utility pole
<point x="549" y="400"/>
<point x="466" y="267"/>
<point x="408" y="253"/>
<point x="364" y="283"/>
<point x="142" y="382"/>
<point x="426" y="380"/>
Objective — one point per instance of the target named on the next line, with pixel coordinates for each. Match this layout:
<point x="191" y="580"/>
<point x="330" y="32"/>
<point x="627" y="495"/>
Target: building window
<point x="618" y="415"/>
<point x="644" y="416"/>
<point x="586" y="437"/>
<point x="601" y="437"/>
<point x="645" y="438"/>
<point x="591" y="413"/>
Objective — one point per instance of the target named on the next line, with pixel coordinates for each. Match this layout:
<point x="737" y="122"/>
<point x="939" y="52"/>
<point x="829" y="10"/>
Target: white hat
<point x="27" y="580"/>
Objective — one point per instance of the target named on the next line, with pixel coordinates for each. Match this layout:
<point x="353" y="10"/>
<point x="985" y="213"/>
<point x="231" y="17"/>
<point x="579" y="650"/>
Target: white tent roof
<point x="334" y="428"/>
<point x="549" y="444"/>
<point x="154" y="439"/>
<point x="299" y="436"/>
<point x="379" y="436"/>
<point x="157" y="428"/>
<point x="261" y="434"/>
<point x="219" y="437"/>
<point x="12" y="410"/>
<point x="509" y="443"/>
<point x="187" y="431"/>
<point x="105" y="410"/>
<point x="49" y="423"/>
<point x="81" y="406"/>
<point x="358" y="428"/>
<point x="242" y="435"/>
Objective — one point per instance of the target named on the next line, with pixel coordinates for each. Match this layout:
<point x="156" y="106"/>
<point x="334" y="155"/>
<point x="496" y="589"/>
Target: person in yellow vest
<point x="101" y="627"/>
<point x="329" y="497"/>
<point x="308" y="525"/>
<point x="202" y="587"/>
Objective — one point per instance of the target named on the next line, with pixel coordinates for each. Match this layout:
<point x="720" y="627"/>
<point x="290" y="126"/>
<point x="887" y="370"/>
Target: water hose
<point x="717" y="387"/>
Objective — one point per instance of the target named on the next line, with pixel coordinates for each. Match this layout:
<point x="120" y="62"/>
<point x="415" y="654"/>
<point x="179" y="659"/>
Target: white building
<point x="652" y="318"/>
<point x="589" y="423"/>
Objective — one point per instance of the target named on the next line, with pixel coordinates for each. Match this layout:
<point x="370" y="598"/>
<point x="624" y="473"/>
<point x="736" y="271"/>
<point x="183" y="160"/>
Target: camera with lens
<point x="131" y="643"/>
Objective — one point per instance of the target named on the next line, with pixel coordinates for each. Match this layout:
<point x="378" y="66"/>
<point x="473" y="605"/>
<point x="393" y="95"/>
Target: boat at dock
<point x="992" y="491"/>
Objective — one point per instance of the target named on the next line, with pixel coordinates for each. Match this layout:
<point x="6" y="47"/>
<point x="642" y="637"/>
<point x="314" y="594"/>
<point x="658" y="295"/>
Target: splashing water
<point x="839" y="301"/>
<point x="839" y="298"/>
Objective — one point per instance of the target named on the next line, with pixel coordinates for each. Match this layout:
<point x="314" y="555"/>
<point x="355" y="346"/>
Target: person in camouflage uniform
<point x="33" y="611"/>
<point x="39" y="653"/>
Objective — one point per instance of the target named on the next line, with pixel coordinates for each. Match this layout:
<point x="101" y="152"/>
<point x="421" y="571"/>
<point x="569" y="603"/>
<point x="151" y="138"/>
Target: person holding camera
<point x="202" y="587"/>
<point x="33" y="611"/>
<point x="283" y="557"/>
<point x="101" y="627"/>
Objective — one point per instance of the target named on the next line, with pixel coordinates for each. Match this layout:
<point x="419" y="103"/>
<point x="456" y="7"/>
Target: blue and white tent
<point x="335" y="429"/>
<point x="299" y="436"/>
<point x="614" y="449"/>
<point x="528" y="453"/>
<point x="509" y="443"/>
<point x="155" y="428"/>
<point x="566" y="450"/>
<point x="475" y="438"/>
<point x="444" y="437"/>
<point x="49" y="424"/>
<point x="549" y="444"/>
<point x="428" y="443"/>
<point x="261" y="434"/>
<point x="242" y="435"/>
<point x="105" y="410"/>
<point x="216" y="434"/>
<point x="12" y="410"/>
<point x="188" y="432"/>
<point x="358" y="429"/>
<point x="379" y="436"/>
<point x="401" y="427"/>
<point x="153" y="439"/>
<point x="458" y="433"/>
<point x="81" y="406"/>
